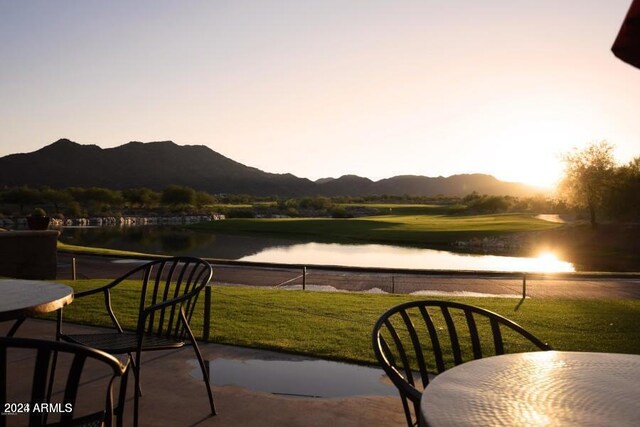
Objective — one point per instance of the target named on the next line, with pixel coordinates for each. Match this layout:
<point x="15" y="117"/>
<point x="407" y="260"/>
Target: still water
<point x="178" y="241"/>
<point x="303" y="378"/>
<point x="402" y="257"/>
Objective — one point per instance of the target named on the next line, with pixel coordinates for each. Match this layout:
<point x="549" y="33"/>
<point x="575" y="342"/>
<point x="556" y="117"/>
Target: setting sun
<point x="533" y="133"/>
<point x="537" y="171"/>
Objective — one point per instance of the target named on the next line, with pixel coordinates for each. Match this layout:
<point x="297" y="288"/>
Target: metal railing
<point x="392" y="279"/>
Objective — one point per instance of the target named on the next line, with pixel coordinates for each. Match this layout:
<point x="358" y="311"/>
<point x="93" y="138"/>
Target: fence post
<point x="524" y="285"/>
<point x="393" y="283"/>
<point x="304" y="278"/>
<point x="207" y="313"/>
<point x="73" y="268"/>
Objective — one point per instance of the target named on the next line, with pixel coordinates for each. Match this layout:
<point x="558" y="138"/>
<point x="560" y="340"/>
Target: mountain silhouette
<point x="157" y="165"/>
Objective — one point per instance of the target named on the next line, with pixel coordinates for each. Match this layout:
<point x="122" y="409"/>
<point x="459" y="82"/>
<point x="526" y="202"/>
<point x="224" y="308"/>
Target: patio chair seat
<point x="117" y="343"/>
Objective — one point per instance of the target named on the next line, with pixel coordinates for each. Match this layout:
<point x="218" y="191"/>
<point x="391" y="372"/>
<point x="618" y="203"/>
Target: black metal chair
<point x="416" y="340"/>
<point x="28" y="395"/>
<point x="169" y="292"/>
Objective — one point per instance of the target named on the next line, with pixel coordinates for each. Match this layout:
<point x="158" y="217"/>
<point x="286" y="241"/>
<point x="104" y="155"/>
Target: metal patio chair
<point x="416" y="340"/>
<point x="27" y="375"/>
<point x="169" y="292"/>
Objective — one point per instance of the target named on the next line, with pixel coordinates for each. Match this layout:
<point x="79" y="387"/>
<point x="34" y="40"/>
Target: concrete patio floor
<point x="173" y="396"/>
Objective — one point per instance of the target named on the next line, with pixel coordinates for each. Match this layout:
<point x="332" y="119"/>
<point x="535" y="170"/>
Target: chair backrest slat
<point x="386" y="350"/>
<point x="157" y="283"/>
<point x="165" y="296"/>
<point x="473" y="334"/>
<point x="417" y="348"/>
<point x="40" y="376"/>
<point x="196" y="277"/>
<point x="173" y="310"/>
<point x="453" y="335"/>
<point x="497" y="336"/>
<point x="148" y="269"/>
<point x="399" y="346"/>
<point x="435" y="341"/>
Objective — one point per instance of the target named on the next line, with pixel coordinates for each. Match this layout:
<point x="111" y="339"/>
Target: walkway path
<point x="103" y="267"/>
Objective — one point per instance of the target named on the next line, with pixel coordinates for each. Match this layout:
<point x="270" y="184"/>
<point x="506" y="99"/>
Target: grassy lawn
<point x="65" y="247"/>
<point x="399" y="229"/>
<point x="338" y="325"/>
<point x="408" y="209"/>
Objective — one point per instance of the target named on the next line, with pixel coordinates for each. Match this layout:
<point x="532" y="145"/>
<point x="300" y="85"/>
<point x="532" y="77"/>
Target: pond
<point x="180" y="241"/>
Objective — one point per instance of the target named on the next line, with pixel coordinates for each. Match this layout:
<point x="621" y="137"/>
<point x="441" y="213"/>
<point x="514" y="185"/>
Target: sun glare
<point x="543" y="176"/>
<point x="536" y="171"/>
<point x="548" y="262"/>
<point x="532" y="135"/>
<point x="539" y="167"/>
<point x="546" y="177"/>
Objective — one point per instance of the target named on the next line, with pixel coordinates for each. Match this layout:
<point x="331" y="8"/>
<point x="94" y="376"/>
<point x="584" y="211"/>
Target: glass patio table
<point x="20" y="299"/>
<point x="537" y="389"/>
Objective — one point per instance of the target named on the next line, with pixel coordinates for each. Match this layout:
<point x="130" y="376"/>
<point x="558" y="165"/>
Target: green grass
<point x="75" y="249"/>
<point x="338" y="325"/>
<point x="396" y="229"/>
<point x="408" y="208"/>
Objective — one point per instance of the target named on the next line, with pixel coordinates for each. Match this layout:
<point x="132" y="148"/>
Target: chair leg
<point x="122" y="396"/>
<point x="52" y="378"/>
<point x="54" y="359"/>
<point x="136" y="395"/>
<point x="205" y="371"/>
<point x="135" y="374"/>
<point x="52" y="375"/>
<point x="205" y="376"/>
<point x="15" y="326"/>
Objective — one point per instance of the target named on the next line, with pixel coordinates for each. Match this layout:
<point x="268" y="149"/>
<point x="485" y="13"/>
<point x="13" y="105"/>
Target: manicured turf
<point x="338" y="325"/>
<point x="398" y="229"/>
<point x="408" y="209"/>
<point x="65" y="247"/>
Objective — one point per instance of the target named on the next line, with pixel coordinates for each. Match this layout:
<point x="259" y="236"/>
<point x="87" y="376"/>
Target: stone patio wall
<point x="28" y="254"/>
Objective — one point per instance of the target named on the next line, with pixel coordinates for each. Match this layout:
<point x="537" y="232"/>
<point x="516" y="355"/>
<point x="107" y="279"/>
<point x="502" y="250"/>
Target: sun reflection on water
<point x="548" y="262"/>
<point x="373" y="255"/>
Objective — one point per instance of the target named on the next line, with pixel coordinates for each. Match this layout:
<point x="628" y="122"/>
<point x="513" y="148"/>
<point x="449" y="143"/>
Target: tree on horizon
<point x="588" y="176"/>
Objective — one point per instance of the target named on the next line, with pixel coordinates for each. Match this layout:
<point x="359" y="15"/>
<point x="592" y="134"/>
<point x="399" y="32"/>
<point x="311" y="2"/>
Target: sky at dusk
<point x="325" y="88"/>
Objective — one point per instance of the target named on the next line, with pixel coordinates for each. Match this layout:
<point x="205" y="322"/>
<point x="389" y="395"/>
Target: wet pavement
<point x="174" y="395"/>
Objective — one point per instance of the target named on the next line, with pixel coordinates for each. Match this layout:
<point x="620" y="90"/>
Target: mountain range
<point x="158" y="164"/>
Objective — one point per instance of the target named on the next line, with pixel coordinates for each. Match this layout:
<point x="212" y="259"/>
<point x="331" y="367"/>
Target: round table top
<point x="19" y="298"/>
<point x="549" y="388"/>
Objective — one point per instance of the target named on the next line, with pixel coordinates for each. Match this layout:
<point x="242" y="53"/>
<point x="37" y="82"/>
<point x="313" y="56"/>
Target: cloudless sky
<point x="325" y="88"/>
